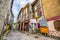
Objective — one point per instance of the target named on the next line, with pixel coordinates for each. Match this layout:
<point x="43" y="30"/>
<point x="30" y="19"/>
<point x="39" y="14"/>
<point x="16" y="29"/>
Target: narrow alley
<point x="29" y="19"/>
<point x="16" y="35"/>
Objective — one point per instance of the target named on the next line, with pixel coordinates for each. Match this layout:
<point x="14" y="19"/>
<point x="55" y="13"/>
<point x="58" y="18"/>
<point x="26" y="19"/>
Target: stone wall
<point x="4" y="9"/>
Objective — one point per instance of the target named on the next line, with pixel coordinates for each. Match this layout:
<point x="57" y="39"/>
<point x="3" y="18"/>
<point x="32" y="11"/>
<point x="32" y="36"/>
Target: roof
<point x="34" y="2"/>
<point x="11" y="7"/>
<point x="27" y="5"/>
<point x="22" y="9"/>
<point x="19" y="12"/>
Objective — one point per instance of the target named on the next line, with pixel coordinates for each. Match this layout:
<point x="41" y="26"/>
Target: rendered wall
<point x="51" y="8"/>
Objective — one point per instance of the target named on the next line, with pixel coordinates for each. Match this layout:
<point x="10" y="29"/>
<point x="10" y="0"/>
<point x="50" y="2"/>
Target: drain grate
<point x="28" y="34"/>
<point x="36" y="36"/>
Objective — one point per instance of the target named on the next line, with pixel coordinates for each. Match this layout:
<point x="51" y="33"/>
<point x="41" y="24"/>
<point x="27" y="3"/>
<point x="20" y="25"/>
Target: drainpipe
<point x="11" y="10"/>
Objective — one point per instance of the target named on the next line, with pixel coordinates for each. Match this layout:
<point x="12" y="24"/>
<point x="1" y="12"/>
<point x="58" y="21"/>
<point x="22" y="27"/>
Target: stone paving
<point x="23" y="36"/>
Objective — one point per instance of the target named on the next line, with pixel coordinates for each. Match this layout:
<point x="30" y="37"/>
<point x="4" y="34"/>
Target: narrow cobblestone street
<point x="16" y="35"/>
<point x="29" y="19"/>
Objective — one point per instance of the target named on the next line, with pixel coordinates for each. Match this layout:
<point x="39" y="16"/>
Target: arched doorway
<point x="26" y="28"/>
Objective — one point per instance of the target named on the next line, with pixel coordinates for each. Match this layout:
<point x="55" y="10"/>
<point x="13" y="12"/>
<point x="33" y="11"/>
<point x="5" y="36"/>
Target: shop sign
<point x="43" y="22"/>
<point x="32" y="20"/>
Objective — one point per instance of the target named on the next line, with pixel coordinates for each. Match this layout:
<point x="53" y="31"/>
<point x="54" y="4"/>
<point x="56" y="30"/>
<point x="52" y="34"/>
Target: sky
<point x="17" y="5"/>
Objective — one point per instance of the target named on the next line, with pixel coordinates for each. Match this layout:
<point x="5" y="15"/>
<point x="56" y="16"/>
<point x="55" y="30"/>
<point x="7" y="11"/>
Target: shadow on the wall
<point x="58" y="1"/>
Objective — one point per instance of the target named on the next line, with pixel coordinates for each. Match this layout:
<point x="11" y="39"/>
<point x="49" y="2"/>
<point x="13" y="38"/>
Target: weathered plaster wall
<point x="51" y="8"/>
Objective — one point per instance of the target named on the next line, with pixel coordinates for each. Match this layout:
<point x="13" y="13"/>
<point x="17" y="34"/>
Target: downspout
<point x="11" y="10"/>
<point x="11" y="7"/>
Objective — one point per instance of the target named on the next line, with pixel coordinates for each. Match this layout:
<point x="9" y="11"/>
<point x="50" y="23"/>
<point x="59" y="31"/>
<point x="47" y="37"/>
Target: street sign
<point x="43" y="22"/>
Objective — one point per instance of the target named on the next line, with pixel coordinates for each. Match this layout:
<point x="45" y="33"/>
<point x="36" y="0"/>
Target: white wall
<point x="52" y="30"/>
<point x="51" y="25"/>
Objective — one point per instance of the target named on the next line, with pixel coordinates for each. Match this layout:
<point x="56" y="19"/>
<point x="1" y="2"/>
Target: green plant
<point x="37" y="30"/>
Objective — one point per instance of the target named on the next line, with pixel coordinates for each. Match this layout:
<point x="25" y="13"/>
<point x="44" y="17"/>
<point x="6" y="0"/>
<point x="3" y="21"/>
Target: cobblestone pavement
<point x="23" y="36"/>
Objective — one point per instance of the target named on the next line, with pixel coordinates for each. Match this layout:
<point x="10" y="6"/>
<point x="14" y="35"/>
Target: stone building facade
<point x="5" y="9"/>
<point x="24" y="16"/>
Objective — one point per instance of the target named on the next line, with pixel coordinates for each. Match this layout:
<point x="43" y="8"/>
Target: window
<point x="35" y="8"/>
<point x="26" y="10"/>
<point x="57" y="25"/>
<point x="10" y="16"/>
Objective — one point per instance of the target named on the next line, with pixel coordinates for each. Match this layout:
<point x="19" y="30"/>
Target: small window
<point x="57" y="25"/>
